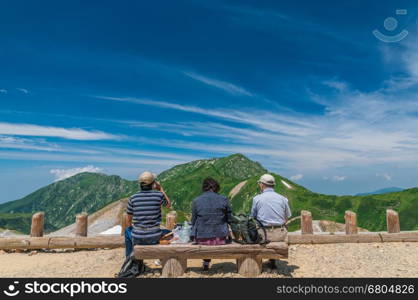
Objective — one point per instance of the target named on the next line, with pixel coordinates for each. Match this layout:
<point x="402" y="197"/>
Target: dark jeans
<point x="130" y="242"/>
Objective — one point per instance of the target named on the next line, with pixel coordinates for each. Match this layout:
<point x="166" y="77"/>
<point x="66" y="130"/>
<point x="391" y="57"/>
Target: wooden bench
<point x="174" y="257"/>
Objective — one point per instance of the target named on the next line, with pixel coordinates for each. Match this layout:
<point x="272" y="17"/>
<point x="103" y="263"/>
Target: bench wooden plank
<point x="190" y="251"/>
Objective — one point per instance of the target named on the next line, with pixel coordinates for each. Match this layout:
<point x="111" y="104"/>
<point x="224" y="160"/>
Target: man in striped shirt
<point x="144" y="213"/>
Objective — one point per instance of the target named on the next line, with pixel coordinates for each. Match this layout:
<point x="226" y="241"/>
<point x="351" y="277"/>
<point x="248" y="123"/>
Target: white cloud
<point x="3" y="91"/>
<point x="386" y="176"/>
<point x="335" y="84"/>
<point x="223" y="85"/>
<point x="335" y="178"/>
<point x="296" y="177"/>
<point x="356" y="129"/>
<point x="24" y="91"/>
<point x="339" y="178"/>
<point x="61" y="174"/>
<point x="93" y="158"/>
<point x="11" y="142"/>
<point x="48" y="131"/>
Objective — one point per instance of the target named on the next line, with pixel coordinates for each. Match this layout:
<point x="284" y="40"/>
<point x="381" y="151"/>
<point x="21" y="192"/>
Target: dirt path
<point x="337" y="260"/>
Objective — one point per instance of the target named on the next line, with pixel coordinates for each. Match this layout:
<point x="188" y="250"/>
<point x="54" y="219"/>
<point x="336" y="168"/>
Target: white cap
<point x="146" y="177"/>
<point x="267" y="179"/>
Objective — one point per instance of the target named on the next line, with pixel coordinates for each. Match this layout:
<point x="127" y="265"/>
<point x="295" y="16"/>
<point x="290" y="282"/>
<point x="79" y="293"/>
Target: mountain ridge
<point x="90" y="192"/>
<point x="387" y="190"/>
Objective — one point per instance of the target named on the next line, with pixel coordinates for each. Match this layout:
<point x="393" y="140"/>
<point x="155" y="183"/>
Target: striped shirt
<point x="145" y="208"/>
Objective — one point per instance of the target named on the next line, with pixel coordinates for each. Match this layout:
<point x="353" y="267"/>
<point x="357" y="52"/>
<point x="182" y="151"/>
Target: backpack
<point x="247" y="230"/>
<point x="131" y="268"/>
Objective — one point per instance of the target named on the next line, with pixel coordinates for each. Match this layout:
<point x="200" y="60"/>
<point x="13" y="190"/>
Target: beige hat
<point x="267" y="179"/>
<point x="146" y="177"/>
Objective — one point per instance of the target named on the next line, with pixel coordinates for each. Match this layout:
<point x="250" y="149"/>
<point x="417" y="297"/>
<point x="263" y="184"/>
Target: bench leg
<point x="249" y="266"/>
<point x="174" y="267"/>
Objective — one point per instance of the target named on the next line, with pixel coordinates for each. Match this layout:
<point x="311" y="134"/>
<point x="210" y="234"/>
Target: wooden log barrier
<point x="81" y="224"/>
<point x="333" y="238"/>
<point x="306" y="222"/>
<point x="37" y="226"/>
<point x="171" y="220"/>
<point x="124" y="223"/>
<point x="403" y="236"/>
<point x="362" y="237"/>
<point x="111" y="241"/>
<point x="350" y="222"/>
<point x="392" y="221"/>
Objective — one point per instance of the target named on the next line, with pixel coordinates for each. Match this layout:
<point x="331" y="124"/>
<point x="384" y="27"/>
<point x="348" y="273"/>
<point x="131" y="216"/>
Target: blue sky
<point x="303" y="87"/>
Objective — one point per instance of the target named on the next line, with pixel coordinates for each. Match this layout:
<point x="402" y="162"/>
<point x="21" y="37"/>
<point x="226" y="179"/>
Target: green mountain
<point x="19" y="222"/>
<point x="237" y="175"/>
<point x="184" y="182"/>
<point x="62" y="200"/>
<point x="370" y="209"/>
<point x="382" y="191"/>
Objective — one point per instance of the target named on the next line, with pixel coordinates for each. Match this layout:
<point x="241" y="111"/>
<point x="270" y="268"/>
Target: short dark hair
<point x="210" y="184"/>
<point x="146" y="187"/>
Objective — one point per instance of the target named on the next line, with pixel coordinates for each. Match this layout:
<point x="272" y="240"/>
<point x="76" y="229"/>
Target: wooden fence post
<point x="81" y="224"/>
<point x="392" y="221"/>
<point x="306" y="222"/>
<point x="350" y="222"/>
<point x="37" y="226"/>
<point x="124" y="223"/>
<point x="171" y="220"/>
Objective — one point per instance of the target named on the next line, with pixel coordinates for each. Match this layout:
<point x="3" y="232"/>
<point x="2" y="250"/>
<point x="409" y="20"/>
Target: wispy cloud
<point x="24" y="91"/>
<point x="335" y="178"/>
<point x="223" y="85"/>
<point x="336" y="84"/>
<point x="296" y="177"/>
<point x="140" y="163"/>
<point x="11" y="142"/>
<point x="385" y="176"/>
<point x="48" y="131"/>
<point x="3" y="91"/>
<point x="61" y="174"/>
<point x="356" y="129"/>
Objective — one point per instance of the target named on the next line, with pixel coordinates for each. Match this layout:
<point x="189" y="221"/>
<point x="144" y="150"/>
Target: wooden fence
<point x="351" y="234"/>
<point x="81" y="240"/>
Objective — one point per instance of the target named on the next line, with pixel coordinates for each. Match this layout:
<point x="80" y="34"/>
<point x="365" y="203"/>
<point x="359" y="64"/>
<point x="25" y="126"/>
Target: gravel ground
<point x="333" y="260"/>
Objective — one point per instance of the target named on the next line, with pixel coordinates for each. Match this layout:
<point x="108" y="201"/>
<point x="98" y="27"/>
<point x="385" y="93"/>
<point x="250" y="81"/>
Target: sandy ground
<point x="335" y="260"/>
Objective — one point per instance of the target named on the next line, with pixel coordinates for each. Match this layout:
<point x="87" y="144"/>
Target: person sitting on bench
<point x="272" y="210"/>
<point x="144" y="213"/>
<point x="210" y="214"/>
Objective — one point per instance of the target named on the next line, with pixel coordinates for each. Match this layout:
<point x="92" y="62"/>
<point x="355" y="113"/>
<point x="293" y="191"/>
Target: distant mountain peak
<point x="235" y="166"/>
<point x="391" y="189"/>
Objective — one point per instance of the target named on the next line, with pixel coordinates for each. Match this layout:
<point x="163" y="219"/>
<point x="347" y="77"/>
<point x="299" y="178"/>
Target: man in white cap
<point x="272" y="210"/>
<point x="144" y="213"/>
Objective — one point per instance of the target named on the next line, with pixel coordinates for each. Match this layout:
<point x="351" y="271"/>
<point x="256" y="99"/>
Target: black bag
<point x="247" y="230"/>
<point x="131" y="268"/>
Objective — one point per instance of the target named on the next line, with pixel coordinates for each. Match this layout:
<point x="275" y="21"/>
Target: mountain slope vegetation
<point x="90" y="192"/>
<point x="62" y="200"/>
